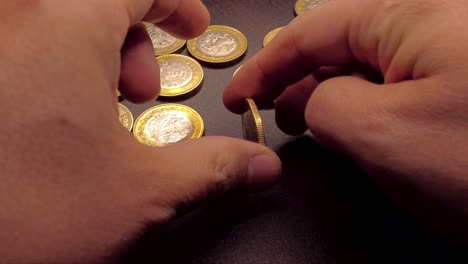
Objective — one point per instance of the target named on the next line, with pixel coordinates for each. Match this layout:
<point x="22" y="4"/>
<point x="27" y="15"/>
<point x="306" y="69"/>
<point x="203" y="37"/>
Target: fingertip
<point x="263" y="171"/>
<point x="139" y="79"/>
<point x="193" y="15"/>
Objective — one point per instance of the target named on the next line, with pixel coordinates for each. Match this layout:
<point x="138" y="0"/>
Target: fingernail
<point x="263" y="170"/>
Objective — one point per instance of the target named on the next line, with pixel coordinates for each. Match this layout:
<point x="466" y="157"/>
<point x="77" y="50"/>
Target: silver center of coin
<point x="314" y="3"/>
<point x="160" y="38"/>
<point x="175" y="74"/>
<point x="168" y="127"/>
<point x="217" y="44"/>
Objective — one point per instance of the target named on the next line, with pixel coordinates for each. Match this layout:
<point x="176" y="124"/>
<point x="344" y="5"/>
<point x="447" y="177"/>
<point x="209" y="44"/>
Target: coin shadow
<point x="354" y="218"/>
<point x="185" y="239"/>
<point x="220" y="65"/>
<point x="183" y="97"/>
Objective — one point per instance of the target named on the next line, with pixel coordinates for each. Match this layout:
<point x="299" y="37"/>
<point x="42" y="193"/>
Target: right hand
<point x="410" y="133"/>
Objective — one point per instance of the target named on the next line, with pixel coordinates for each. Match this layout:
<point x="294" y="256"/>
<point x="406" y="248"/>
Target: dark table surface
<point x="324" y="209"/>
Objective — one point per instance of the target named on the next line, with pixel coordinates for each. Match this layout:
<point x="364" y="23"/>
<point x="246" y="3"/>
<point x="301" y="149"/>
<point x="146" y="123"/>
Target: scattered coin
<point x="163" y="42"/>
<point x="168" y="124"/>
<point x="219" y="44"/>
<point x="303" y="5"/>
<point x="179" y="74"/>
<point x="271" y="35"/>
<point x="125" y="116"/>
<point x="237" y="70"/>
<point x="252" y="126"/>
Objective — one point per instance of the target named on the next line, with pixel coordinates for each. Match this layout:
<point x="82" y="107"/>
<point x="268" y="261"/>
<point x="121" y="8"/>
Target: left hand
<point x="75" y="185"/>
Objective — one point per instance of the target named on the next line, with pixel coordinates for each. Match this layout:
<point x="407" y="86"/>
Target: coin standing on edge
<point x="237" y="70"/>
<point x="168" y="124"/>
<point x="271" y="35"/>
<point x="125" y="116"/>
<point x="219" y="44"/>
<point x="303" y="5"/>
<point x="179" y="74"/>
<point x="163" y="42"/>
<point x="252" y="125"/>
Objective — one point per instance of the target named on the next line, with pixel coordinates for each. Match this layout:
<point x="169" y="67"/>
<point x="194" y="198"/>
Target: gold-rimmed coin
<point x="125" y="116"/>
<point x="168" y="124"/>
<point x="179" y="74"/>
<point x="252" y="125"/>
<point x="237" y="70"/>
<point x="271" y="35"/>
<point x="163" y="42"/>
<point x="219" y="44"/>
<point x="303" y="5"/>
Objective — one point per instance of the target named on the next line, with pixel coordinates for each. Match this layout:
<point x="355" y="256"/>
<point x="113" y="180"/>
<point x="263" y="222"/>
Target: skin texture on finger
<point x="189" y="20"/>
<point x="316" y="39"/>
<point x="389" y="132"/>
<point x="290" y="106"/>
<point x="139" y="78"/>
<point x="291" y="55"/>
<point x="183" y="174"/>
<point x="182" y="18"/>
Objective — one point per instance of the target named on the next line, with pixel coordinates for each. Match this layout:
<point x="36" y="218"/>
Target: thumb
<point x="182" y="174"/>
<point x="351" y="115"/>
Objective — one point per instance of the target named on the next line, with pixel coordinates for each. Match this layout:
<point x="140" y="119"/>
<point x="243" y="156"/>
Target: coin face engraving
<point x="159" y="38"/>
<point x="314" y="3"/>
<point x="217" y="44"/>
<point x="125" y="117"/>
<point x="168" y="127"/>
<point x="175" y="74"/>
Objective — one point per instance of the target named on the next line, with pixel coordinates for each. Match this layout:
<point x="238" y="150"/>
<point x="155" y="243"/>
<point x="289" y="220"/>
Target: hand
<point x="75" y="185"/>
<point x="410" y="132"/>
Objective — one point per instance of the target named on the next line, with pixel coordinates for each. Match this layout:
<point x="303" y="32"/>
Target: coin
<point x="118" y="93"/>
<point x="271" y="35"/>
<point x="303" y="5"/>
<point x="237" y="70"/>
<point x="252" y="126"/>
<point x="219" y="44"/>
<point x="179" y="74"/>
<point x="125" y="117"/>
<point x="163" y="42"/>
<point x="168" y="124"/>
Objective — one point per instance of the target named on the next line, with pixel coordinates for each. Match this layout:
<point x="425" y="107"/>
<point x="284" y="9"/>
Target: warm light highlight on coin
<point x="219" y="44"/>
<point x="125" y="116"/>
<point x="252" y="125"/>
<point x="179" y="74"/>
<point x="168" y="124"/>
<point x="163" y="42"/>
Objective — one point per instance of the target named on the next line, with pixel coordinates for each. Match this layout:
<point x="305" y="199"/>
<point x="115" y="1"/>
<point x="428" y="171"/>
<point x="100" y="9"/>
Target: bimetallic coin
<point x="303" y="5"/>
<point x="179" y="74"/>
<point x="219" y="44"/>
<point x="237" y="70"/>
<point x="168" y="124"/>
<point x="125" y="116"/>
<point x="271" y="35"/>
<point x="163" y="42"/>
<point x="252" y="126"/>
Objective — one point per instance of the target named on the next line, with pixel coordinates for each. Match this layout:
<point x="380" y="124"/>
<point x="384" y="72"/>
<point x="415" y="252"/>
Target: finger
<point x="186" y="173"/>
<point x="182" y="18"/>
<point x="139" y="77"/>
<point x="350" y="114"/>
<point x="290" y="106"/>
<point x="312" y="40"/>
